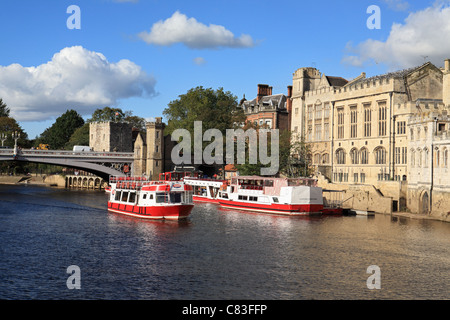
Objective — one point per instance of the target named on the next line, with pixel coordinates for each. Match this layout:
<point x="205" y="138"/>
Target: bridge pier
<point x="84" y="182"/>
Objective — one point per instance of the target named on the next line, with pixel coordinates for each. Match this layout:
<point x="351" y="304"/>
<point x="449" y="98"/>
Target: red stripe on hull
<point x="295" y="209"/>
<point x="205" y="199"/>
<point x="174" y="212"/>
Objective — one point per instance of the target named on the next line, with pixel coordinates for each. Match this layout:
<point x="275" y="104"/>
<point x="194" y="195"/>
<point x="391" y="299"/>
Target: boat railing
<point x="133" y="183"/>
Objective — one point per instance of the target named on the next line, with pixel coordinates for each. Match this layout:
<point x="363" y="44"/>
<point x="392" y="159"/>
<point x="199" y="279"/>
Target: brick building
<point x="267" y="109"/>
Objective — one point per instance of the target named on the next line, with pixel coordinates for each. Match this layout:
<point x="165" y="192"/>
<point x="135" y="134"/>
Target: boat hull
<point x="172" y="212"/>
<point x="204" y="199"/>
<point x="284" y="209"/>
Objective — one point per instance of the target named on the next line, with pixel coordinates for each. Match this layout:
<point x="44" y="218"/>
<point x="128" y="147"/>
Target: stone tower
<point x="446" y="84"/>
<point x="110" y="137"/>
<point x="155" y="148"/>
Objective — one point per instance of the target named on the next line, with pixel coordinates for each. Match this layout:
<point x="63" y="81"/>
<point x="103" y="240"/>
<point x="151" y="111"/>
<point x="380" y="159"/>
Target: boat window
<point x="275" y="199"/>
<point x="124" y="196"/>
<point x="253" y="198"/>
<point x="242" y="197"/>
<point x="144" y="196"/>
<point x="268" y="183"/>
<point x="151" y="196"/>
<point x="161" y="197"/>
<point x="175" y="197"/>
<point x="117" y="197"/>
<point x="132" y="197"/>
<point x="224" y="195"/>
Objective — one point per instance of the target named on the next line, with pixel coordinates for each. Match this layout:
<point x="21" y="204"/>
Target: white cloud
<point x="199" y="61"/>
<point x="75" y="78"/>
<point x="424" y="34"/>
<point x="397" y="5"/>
<point x="195" y="35"/>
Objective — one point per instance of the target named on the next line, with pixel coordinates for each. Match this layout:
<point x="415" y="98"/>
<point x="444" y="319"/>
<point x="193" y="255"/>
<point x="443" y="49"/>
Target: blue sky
<point x="141" y="54"/>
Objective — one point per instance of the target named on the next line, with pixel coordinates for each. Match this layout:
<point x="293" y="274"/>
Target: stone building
<point x="357" y="130"/>
<point x="110" y="136"/>
<point x="271" y="110"/>
<point x="428" y="146"/>
<point x="153" y="150"/>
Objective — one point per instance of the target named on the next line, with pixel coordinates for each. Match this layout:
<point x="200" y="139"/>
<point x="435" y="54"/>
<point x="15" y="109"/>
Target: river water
<point x="216" y="254"/>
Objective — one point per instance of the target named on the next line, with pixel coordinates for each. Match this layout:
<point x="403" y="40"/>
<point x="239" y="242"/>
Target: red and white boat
<point x="205" y="190"/>
<point x="137" y="197"/>
<point x="299" y="196"/>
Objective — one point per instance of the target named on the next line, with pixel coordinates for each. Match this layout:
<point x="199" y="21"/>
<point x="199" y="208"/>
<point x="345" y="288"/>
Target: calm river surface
<point x="215" y="254"/>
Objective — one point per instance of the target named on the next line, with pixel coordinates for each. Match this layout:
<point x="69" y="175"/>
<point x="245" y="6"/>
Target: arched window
<point x="445" y="158"/>
<point x="380" y="155"/>
<point x="354" y="156"/>
<point x="317" y="158"/>
<point x="419" y="156"/>
<point x="325" y="158"/>
<point x="340" y="156"/>
<point x="413" y="158"/>
<point x="426" y="152"/>
<point x="364" y="153"/>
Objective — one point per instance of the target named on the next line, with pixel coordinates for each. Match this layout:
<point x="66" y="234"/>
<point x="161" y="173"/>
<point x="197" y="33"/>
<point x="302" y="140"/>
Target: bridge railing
<point x="68" y="153"/>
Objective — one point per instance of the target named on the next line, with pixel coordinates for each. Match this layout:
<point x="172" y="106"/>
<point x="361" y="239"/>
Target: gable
<point x="424" y="83"/>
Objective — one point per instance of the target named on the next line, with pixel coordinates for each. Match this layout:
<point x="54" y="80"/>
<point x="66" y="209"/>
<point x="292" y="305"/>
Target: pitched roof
<point x="336" y="81"/>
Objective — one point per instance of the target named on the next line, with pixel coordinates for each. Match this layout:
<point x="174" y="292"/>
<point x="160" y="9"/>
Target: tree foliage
<point x="117" y="115"/>
<point x="293" y="156"/>
<point x="4" y="110"/>
<point x="216" y="109"/>
<point x="58" y="135"/>
<point x="80" y="137"/>
<point x="9" y="125"/>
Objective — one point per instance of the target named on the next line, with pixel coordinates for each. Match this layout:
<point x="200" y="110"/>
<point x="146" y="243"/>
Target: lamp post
<point x="3" y="138"/>
<point x="15" y="135"/>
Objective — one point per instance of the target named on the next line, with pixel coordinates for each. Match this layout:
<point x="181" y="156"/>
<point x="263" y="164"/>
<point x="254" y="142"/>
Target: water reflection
<point x="214" y="254"/>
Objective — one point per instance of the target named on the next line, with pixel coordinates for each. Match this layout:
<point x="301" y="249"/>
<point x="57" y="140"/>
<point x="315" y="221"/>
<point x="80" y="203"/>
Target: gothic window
<point x="354" y="156"/>
<point x="340" y="156"/>
<point x="382" y="116"/>
<point x="340" y="115"/>
<point x="380" y="155"/>
<point x="367" y="121"/>
<point x="364" y="156"/>
<point x="353" y="122"/>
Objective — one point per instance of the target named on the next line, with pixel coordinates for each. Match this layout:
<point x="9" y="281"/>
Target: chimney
<point x="289" y="91"/>
<point x="289" y="106"/>
<point x="447" y="65"/>
<point x="263" y="90"/>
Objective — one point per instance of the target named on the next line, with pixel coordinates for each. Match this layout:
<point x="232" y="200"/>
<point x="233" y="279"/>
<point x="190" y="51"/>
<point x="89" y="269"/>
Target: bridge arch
<point x="101" y="164"/>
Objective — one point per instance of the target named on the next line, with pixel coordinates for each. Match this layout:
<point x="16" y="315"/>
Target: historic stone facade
<point x="110" y="136"/>
<point x="428" y="146"/>
<point x="357" y="130"/>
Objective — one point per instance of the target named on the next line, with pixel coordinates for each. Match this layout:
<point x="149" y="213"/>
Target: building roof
<point x="336" y="81"/>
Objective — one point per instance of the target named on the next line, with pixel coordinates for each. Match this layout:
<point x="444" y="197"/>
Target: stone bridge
<point x="102" y="164"/>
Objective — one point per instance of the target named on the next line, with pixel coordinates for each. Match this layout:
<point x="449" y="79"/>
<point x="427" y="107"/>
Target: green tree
<point x="4" y="110"/>
<point x="79" y="138"/>
<point x="116" y="114"/>
<point x="294" y="156"/>
<point x="9" y="125"/>
<point x="216" y="109"/>
<point x="60" y="132"/>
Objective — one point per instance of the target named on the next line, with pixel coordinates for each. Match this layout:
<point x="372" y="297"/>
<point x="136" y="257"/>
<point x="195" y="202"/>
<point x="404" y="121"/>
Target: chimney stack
<point x="263" y="90"/>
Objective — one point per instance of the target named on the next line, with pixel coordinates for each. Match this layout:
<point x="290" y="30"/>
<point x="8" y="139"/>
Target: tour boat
<point x="299" y="196"/>
<point x="137" y="197"/>
<point x="205" y="190"/>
